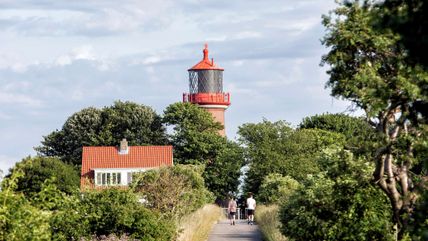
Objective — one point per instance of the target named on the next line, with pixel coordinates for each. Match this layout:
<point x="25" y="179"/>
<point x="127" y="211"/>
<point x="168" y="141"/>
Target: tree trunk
<point x="393" y="178"/>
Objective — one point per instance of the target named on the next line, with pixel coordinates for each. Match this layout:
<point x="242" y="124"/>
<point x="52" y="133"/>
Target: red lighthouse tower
<point x="206" y="88"/>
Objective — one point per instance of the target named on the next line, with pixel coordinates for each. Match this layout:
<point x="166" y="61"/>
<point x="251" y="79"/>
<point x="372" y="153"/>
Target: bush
<point x="173" y="191"/>
<point x="339" y="203"/>
<point x="276" y="188"/>
<point x="38" y="169"/>
<point x="118" y="212"/>
<point x="18" y="219"/>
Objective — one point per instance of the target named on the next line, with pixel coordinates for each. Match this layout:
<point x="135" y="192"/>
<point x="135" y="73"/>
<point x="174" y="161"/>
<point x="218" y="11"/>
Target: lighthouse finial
<point x="206" y="51"/>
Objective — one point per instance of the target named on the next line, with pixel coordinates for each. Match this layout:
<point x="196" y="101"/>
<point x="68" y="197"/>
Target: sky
<point x="58" y="57"/>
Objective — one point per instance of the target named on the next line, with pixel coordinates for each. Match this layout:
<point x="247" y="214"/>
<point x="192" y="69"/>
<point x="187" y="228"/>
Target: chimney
<point x="123" y="148"/>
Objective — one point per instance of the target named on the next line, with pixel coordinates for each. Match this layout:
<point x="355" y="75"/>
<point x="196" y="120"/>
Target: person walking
<point x="251" y="206"/>
<point x="232" y="210"/>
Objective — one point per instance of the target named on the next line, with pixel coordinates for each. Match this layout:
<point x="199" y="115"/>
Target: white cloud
<point x="12" y="61"/>
<point x="247" y="35"/>
<point x="20" y="99"/>
<point x="82" y="52"/>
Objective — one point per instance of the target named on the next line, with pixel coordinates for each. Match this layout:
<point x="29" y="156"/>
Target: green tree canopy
<point x="195" y="133"/>
<point x="359" y="135"/>
<point x="196" y="140"/>
<point x="408" y="18"/>
<point x="276" y="188"/>
<point x="222" y="175"/>
<point x="38" y="169"/>
<point x="368" y="67"/>
<point x="274" y="147"/>
<point x="263" y="144"/>
<point x="139" y="124"/>
<point x="338" y="203"/>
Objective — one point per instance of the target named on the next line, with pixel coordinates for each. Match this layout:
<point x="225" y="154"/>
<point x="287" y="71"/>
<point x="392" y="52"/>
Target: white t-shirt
<point x="251" y="203"/>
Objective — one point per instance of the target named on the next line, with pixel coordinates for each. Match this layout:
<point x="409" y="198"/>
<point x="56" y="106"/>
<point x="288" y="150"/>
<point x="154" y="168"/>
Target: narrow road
<point x="223" y="231"/>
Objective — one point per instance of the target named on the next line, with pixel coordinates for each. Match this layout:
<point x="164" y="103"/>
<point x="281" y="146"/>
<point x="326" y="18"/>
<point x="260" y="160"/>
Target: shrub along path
<point x="223" y="231"/>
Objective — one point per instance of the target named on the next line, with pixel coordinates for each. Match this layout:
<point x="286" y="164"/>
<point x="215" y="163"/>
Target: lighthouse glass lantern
<point x="206" y="88"/>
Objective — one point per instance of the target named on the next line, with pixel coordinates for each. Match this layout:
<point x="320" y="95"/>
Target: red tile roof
<point x="137" y="157"/>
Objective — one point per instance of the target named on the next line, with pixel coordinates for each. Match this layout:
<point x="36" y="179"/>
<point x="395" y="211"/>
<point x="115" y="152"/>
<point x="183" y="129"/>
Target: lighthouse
<point x="206" y="88"/>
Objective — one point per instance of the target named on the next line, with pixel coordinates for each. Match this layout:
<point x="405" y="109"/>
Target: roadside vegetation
<point x="197" y="225"/>
<point x="268" y="220"/>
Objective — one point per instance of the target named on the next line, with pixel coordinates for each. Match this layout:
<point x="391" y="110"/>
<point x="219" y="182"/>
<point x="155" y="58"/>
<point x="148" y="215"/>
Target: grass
<point x="267" y="219"/>
<point x="197" y="225"/>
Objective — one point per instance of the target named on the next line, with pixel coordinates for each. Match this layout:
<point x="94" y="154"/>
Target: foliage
<point x="274" y="147"/>
<point x="195" y="133"/>
<point x="268" y="221"/>
<point x="196" y="140"/>
<point x="54" y="215"/>
<point x="369" y="68"/>
<point x="263" y="144"/>
<point x="359" y="135"/>
<point x="173" y="191"/>
<point x="339" y="203"/>
<point x="67" y="216"/>
<point x="38" y="169"/>
<point x="276" y="188"/>
<point x="139" y="124"/>
<point x="113" y="211"/>
<point x="408" y="19"/>
<point x="303" y="147"/>
<point x="222" y="175"/>
<point x="18" y="219"/>
<point x="419" y="220"/>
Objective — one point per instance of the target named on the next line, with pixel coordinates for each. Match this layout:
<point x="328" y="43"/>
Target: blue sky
<point x="57" y="57"/>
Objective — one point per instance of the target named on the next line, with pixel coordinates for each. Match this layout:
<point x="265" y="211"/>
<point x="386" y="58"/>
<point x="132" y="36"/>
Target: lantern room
<point x="206" y="83"/>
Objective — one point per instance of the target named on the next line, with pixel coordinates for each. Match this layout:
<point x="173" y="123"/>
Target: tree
<point x="38" y="169"/>
<point x="274" y="147"/>
<point x="338" y="203"/>
<point x="195" y="133"/>
<point x="173" y="191"/>
<point x="359" y="135"/>
<point x="276" y="188"/>
<point x="139" y="124"/>
<point x="196" y="140"/>
<point x="368" y="67"/>
<point x="263" y="146"/>
<point x="408" y="19"/>
<point x="222" y="175"/>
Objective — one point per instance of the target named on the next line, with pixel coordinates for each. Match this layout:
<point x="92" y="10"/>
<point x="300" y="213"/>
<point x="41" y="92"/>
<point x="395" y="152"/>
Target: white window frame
<point x="108" y="178"/>
<point x="123" y="172"/>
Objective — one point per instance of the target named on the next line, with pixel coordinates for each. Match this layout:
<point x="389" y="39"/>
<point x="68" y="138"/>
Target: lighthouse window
<point x="210" y="81"/>
<point x="206" y="81"/>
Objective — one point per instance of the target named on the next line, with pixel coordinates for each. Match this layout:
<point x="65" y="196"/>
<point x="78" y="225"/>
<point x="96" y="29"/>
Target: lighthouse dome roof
<point x="206" y="63"/>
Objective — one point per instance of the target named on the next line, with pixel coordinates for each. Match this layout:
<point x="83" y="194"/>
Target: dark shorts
<point x="250" y="211"/>
<point x="232" y="213"/>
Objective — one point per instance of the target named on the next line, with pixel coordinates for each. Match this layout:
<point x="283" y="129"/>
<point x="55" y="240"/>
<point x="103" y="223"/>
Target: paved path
<point x="223" y="231"/>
